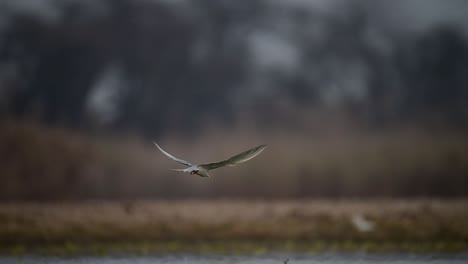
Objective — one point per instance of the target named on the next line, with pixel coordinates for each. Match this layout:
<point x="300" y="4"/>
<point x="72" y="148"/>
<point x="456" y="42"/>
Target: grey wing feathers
<point x="186" y="163"/>
<point x="243" y="157"/>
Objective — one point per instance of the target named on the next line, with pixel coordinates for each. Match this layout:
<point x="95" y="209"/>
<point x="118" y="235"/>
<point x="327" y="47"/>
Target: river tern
<point x="202" y="169"/>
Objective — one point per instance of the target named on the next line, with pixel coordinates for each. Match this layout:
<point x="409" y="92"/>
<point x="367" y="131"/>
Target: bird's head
<point x="201" y="173"/>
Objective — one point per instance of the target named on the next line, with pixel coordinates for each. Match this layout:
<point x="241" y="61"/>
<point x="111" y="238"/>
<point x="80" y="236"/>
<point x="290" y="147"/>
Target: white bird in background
<point x="202" y="169"/>
<point x="361" y="223"/>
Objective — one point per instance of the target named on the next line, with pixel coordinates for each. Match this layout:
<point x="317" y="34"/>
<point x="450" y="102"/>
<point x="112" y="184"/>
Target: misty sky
<point x="397" y="14"/>
<point x="273" y="50"/>
<point x="417" y="15"/>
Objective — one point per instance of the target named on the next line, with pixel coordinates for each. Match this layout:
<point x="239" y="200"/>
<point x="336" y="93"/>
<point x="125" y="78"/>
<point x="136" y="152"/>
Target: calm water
<point x="273" y="259"/>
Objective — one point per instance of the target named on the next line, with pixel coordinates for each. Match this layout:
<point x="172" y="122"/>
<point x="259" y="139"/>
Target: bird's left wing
<point x="243" y="157"/>
<point x="186" y="163"/>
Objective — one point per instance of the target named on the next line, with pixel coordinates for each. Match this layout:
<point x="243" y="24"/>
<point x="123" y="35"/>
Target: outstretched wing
<point x="186" y="163"/>
<point x="243" y="157"/>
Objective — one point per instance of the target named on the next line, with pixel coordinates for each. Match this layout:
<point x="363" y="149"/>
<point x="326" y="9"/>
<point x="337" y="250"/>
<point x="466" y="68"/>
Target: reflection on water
<point x="269" y="259"/>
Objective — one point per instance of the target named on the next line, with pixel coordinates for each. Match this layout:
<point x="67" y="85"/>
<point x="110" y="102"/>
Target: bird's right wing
<point x="186" y="163"/>
<point x="243" y="157"/>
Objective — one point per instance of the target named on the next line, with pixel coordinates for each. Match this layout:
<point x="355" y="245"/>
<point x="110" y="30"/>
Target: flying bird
<point x="202" y="169"/>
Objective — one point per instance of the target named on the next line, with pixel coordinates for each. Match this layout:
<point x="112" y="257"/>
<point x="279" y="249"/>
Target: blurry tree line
<point x="153" y="66"/>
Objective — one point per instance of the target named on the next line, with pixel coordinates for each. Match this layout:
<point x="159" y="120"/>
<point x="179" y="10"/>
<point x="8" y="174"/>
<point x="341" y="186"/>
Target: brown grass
<point x="396" y="220"/>
<point x="41" y="163"/>
<point x="227" y="226"/>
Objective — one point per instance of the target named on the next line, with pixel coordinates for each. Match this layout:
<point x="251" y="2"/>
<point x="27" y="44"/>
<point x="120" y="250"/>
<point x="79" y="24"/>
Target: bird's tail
<point x="183" y="170"/>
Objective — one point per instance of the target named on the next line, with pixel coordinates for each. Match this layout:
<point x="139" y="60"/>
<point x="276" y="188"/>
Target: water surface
<point x="268" y="259"/>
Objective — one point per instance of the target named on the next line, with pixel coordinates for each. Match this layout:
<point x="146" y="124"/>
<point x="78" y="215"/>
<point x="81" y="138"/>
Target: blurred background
<point x="354" y="98"/>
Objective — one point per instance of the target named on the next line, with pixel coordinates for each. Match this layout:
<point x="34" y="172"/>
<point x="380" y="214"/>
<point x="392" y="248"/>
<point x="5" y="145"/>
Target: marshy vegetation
<point x="53" y="198"/>
<point x="365" y="119"/>
<point x="223" y="226"/>
<point x="43" y="163"/>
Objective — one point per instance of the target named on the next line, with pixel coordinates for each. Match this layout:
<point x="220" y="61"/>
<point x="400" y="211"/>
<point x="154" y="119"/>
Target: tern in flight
<point x="202" y="169"/>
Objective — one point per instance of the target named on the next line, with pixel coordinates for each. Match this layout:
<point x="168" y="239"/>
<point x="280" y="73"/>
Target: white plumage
<point x="202" y="169"/>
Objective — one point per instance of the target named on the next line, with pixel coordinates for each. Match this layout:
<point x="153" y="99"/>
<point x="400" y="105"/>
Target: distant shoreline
<point x="239" y="226"/>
